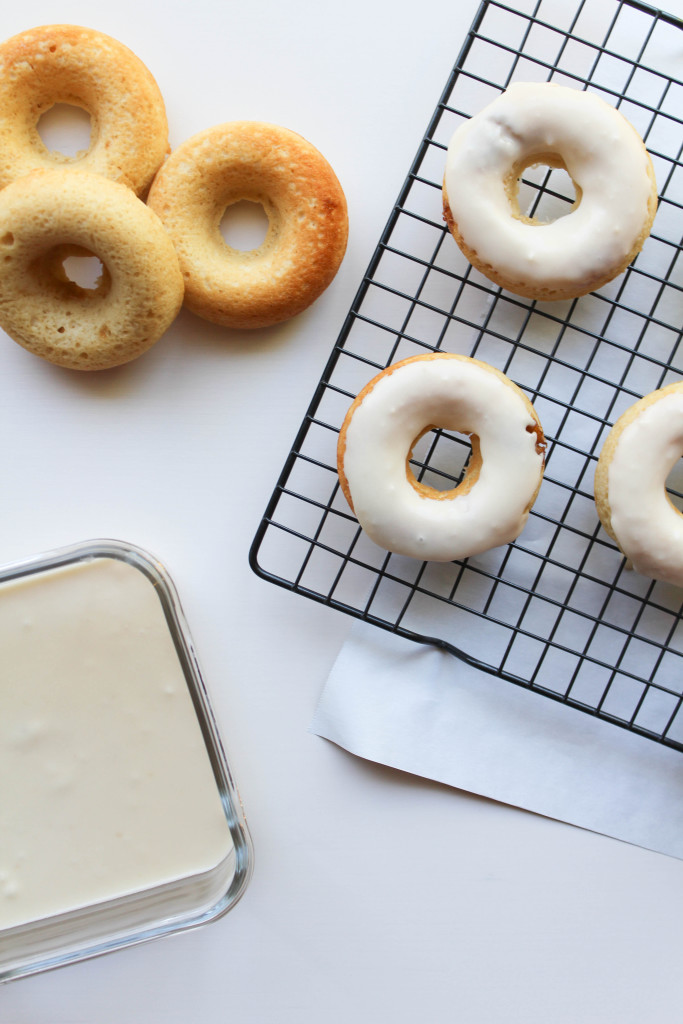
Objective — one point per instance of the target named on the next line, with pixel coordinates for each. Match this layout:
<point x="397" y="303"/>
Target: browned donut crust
<point x="51" y="215"/>
<point x="79" y="66"/>
<point x="306" y="209"/>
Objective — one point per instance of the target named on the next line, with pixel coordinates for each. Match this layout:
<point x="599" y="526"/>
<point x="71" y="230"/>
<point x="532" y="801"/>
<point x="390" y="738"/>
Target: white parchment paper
<point x="419" y="709"/>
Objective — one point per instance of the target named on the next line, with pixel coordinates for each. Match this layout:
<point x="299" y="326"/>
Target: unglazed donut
<point x="547" y="124"/>
<point x="640" y="451"/>
<point x="70" y="64"/>
<point x="306" y="210"/>
<point x="51" y="215"/>
<point x="490" y="506"/>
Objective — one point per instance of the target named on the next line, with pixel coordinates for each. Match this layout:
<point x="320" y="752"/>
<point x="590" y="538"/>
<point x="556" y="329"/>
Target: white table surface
<point x="375" y="896"/>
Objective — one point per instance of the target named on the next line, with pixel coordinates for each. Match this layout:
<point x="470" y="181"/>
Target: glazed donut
<point x="51" y="215"/>
<point x="616" y="193"/>
<point x="69" y="64"/>
<point x="489" y="506"/>
<point x="640" y="451"/>
<point x="306" y="210"/>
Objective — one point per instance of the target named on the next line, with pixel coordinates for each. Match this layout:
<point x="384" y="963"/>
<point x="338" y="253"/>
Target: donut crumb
<point x="541" y="443"/>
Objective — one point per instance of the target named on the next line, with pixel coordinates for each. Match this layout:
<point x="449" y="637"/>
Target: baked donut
<point x="306" y="210"/>
<point x="69" y="64"/>
<point x="547" y="124"/>
<point x="639" y="452"/>
<point x="51" y="215"/>
<point x="489" y="506"/>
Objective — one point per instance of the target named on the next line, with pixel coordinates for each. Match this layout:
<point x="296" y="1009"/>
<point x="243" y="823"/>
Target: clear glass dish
<point x="119" y="817"/>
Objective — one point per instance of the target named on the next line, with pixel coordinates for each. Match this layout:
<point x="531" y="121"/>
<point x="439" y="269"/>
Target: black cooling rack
<point x="558" y="611"/>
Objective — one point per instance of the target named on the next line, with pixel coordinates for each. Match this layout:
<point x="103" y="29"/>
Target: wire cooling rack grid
<point x="557" y="611"/>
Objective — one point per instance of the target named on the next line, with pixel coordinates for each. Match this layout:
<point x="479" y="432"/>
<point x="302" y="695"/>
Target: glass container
<point x="119" y="817"/>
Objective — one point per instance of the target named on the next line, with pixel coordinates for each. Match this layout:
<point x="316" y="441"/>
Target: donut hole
<point x="244" y="225"/>
<point x="65" y="131"/>
<point x="73" y="273"/>
<point x="85" y="271"/>
<point x="542" y="191"/>
<point x="674" y="485"/>
<point x="442" y="462"/>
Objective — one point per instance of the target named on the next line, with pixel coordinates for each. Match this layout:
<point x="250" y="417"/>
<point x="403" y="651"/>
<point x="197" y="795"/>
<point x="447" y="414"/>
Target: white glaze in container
<point x="117" y="813"/>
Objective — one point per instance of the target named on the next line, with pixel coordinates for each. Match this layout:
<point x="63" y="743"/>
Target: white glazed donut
<point x="490" y="505"/>
<point x="545" y="124"/>
<point x="630" y="484"/>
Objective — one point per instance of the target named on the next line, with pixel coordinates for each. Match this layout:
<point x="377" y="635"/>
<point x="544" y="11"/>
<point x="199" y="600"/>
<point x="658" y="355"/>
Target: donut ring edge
<point x="308" y="221"/>
<point x="571" y="287"/>
<point x="66" y="63"/>
<point x="475" y="463"/>
<point x="601" y="478"/>
<point x="50" y="214"/>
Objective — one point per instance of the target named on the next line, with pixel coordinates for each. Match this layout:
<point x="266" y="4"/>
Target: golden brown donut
<point x="69" y="64"/>
<point x="306" y="209"/>
<point x="51" y="215"/>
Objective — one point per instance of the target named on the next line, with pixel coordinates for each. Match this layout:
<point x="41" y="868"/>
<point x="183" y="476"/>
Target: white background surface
<point x="376" y="896"/>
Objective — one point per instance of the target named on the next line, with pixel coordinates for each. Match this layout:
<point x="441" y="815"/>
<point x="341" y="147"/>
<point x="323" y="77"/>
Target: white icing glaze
<point x="108" y="785"/>
<point x="602" y="154"/>
<point x="647" y="527"/>
<point x="458" y="394"/>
